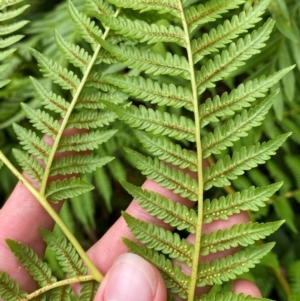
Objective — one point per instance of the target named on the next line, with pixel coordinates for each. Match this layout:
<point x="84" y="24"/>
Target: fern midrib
<point x="196" y="255"/>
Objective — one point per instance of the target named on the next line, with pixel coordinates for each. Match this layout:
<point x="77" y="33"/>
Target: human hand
<point x="128" y="277"/>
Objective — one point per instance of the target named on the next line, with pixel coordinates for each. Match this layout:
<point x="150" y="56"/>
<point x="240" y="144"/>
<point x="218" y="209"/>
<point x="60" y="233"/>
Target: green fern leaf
<point x="236" y="128"/>
<point x="210" y="11"/>
<point x="73" y="53"/>
<point x="153" y="91"/>
<point x="88" y="291"/>
<point x="49" y="99"/>
<point x="249" y="199"/>
<point x="89" y="120"/>
<point x="65" y="253"/>
<point x="78" y="164"/>
<point x="229" y="30"/>
<point x="39" y="270"/>
<point x="160" y="239"/>
<point x="42" y="120"/>
<point x="294" y="276"/>
<point x="227" y="268"/>
<point x="175" y="214"/>
<point x="229" y="296"/>
<point x="59" y="190"/>
<point x="32" y="143"/>
<point x="150" y="62"/>
<point x="232" y="58"/>
<point x="85" y="141"/>
<point x="239" y="98"/>
<point x="29" y="165"/>
<point x="242" y="234"/>
<point x="9" y="28"/>
<point x="9" y="289"/>
<point x="156" y="121"/>
<point x="144" y="32"/>
<point x="12" y="13"/>
<point x="161" y="6"/>
<point x="92" y="100"/>
<point x="61" y="294"/>
<point x="246" y="158"/>
<point x="168" y="177"/>
<point x="61" y="76"/>
<point x="99" y="7"/>
<point x="174" y="278"/>
<point x="6" y="42"/>
<point x="85" y="26"/>
<point x="167" y="151"/>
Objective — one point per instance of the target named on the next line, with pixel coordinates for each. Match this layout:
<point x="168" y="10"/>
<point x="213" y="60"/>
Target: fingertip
<point x="132" y="277"/>
<point x="246" y="287"/>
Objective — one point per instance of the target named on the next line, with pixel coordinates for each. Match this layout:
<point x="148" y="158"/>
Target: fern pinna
<point x="160" y="43"/>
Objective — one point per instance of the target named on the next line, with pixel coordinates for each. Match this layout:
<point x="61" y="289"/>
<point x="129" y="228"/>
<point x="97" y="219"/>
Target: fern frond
<point x="59" y="190"/>
<point x="85" y="141"/>
<point x="161" y="6"/>
<point x="32" y="143"/>
<point x="92" y="100"/>
<point x="8" y="29"/>
<point x="249" y="199"/>
<point x="49" y="99"/>
<point x="29" y="165"/>
<point x="165" y="150"/>
<point x="175" y="214"/>
<point x="65" y="254"/>
<point x="88" y="291"/>
<point x="63" y="293"/>
<point x="78" y="164"/>
<point x="239" y="98"/>
<point x="232" y="58"/>
<point x="156" y="121"/>
<point x="160" y="239"/>
<point x="61" y="76"/>
<point x="85" y="26"/>
<point x="229" y="30"/>
<point x="42" y="120"/>
<point x="39" y="270"/>
<point x="99" y="7"/>
<point x="12" y="13"/>
<point x="73" y="53"/>
<point x="6" y="42"/>
<point x="242" y="234"/>
<point x="144" y="32"/>
<point x="9" y="289"/>
<point x="89" y="120"/>
<point x="150" y="62"/>
<point x="168" y="177"/>
<point x="227" y="268"/>
<point x="229" y="296"/>
<point x="174" y="278"/>
<point x="236" y="128"/>
<point x="153" y="91"/>
<point x="246" y="158"/>
<point x="208" y="12"/>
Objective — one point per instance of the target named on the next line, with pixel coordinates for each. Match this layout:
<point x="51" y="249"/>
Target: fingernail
<point x="131" y="278"/>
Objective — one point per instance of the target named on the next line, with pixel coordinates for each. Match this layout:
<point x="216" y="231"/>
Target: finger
<point x="246" y="287"/>
<point x="110" y="246"/>
<point x="132" y="278"/>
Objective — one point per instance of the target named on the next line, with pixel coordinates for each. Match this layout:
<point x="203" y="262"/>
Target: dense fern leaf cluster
<point x="177" y="144"/>
<point x="59" y="147"/>
<point x="165" y="135"/>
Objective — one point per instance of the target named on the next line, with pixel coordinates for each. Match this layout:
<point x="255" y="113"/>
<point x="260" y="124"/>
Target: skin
<point x="127" y="276"/>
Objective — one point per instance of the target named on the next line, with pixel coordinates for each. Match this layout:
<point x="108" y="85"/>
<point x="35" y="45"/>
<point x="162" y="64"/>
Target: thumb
<point x="132" y="278"/>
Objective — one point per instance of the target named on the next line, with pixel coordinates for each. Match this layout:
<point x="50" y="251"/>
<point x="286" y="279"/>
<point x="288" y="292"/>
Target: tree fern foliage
<point x="166" y="93"/>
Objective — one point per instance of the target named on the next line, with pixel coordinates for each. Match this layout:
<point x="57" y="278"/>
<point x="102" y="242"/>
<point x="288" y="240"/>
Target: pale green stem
<point x="43" y="201"/>
<point x="196" y="255"/>
<point x="61" y="283"/>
